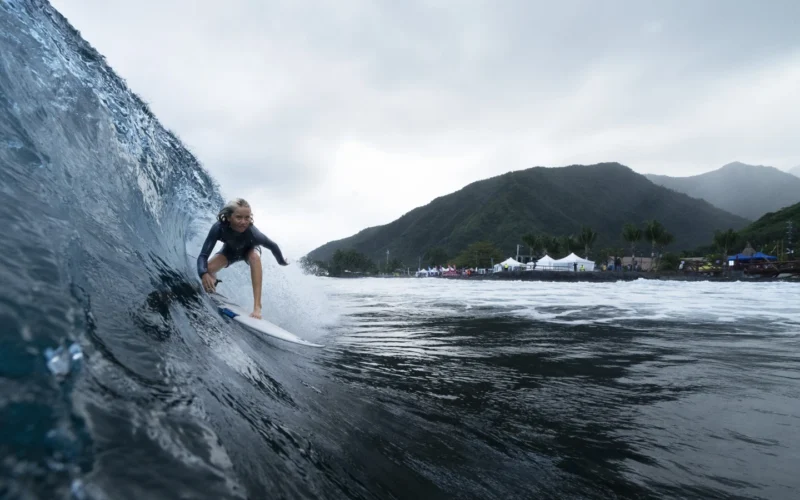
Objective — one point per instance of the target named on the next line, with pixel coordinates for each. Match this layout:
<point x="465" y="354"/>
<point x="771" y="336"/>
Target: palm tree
<point x="566" y="243"/>
<point x="653" y="231"/>
<point x="664" y="240"/>
<point x="533" y="241"/>
<point x="725" y="240"/>
<point x="631" y="234"/>
<point x="550" y="244"/>
<point x="587" y="239"/>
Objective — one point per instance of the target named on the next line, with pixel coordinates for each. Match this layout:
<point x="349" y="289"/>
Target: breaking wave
<point x="99" y="202"/>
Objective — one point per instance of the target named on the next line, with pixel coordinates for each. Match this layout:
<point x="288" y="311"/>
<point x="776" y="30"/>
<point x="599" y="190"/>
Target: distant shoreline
<point x="611" y="276"/>
<point x="590" y="276"/>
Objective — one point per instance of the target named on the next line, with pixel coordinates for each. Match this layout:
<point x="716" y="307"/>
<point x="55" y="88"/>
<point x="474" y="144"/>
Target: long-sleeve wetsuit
<point x="236" y="245"/>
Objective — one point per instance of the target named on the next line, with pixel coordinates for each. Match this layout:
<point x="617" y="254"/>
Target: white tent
<point x="572" y="259"/>
<point x="510" y="262"/>
<point x="548" y="263"/>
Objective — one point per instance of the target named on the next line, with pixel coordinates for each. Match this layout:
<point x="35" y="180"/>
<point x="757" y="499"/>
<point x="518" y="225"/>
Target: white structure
<point x="548" y="263"/>
<point x="572" y="262"/>
<point x="509" y="262"/>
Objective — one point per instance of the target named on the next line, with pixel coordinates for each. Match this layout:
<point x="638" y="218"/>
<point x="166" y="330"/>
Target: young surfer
<point x="240" y="238"/>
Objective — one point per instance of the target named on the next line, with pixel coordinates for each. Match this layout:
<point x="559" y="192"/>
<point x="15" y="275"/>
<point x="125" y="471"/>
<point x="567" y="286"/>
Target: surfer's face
<point x="240" y="220"/>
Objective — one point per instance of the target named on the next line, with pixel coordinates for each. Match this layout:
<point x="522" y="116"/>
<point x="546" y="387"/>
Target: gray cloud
<point x="337" y="115"/>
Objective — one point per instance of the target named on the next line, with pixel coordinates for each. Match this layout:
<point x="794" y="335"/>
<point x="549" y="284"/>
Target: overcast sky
<point x="335" y="115"/>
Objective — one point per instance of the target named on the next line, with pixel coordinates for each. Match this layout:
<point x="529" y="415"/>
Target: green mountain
<point x="773" y="227"/>
<point x="749" y="191"/>
<point x="541" y="200"/>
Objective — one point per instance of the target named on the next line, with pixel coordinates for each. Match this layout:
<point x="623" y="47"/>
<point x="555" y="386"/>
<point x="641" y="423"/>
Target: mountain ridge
<point x="555" y="201"/>
<point x="749" y="191"/>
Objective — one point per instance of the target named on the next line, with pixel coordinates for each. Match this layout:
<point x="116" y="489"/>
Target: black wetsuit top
<point x="236" y="245"/>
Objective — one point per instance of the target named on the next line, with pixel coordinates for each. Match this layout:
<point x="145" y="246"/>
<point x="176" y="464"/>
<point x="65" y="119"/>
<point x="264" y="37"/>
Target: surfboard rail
<point x="236" y="313"/>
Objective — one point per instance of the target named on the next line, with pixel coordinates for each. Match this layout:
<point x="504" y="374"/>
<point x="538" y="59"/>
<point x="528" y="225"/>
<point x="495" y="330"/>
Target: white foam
<point x="575" y="303"/>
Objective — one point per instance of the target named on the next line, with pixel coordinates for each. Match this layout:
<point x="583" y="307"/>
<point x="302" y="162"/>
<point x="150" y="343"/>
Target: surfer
<point x="241" y="241"/>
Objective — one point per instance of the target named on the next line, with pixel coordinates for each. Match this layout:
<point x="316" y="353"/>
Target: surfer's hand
<point x="209" y="283"/>
<point x="256" y="313"/>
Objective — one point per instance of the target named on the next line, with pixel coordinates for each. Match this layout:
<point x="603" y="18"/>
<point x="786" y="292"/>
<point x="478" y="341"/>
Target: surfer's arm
<point x="208" y="247"/>
<point x="265" y="242"/>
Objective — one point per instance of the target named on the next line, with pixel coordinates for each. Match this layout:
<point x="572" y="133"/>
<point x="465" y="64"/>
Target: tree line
<point x="653" y="233"/>
<point x="483" y="254"/>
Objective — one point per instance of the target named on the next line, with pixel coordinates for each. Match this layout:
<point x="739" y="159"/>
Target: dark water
<point x="521" y="390"/>
<point x="426" y="389"/>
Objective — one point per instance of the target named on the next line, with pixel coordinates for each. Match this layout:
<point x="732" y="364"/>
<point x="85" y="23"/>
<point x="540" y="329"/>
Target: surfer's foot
<point x="256" y="313"/>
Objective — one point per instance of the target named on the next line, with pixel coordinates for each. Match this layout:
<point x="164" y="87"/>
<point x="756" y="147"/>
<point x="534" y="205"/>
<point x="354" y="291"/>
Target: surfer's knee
<point x="253" y="257"/>
<point x="216" y="263"/>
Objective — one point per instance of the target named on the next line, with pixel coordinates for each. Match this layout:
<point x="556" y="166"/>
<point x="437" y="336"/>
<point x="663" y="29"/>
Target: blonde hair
<point x="225" y="214"/>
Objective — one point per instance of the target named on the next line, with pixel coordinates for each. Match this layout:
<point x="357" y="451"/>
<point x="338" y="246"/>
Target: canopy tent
<point x="760" y="255"/>
<point x="744" y="257"/>
<point x="544" y="264"/>
<point x="572" y="259"/>
<point x="548" y="263"/>
<point x="509" y="263"/>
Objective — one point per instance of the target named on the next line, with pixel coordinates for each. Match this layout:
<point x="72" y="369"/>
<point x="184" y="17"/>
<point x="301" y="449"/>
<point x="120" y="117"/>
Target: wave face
<point x="170" y="400"/>
<point x="98" y="200"/>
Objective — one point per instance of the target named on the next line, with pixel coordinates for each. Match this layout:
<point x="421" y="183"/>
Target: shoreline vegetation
<point x="589" y="277"/>
<point x="643" y="256"/>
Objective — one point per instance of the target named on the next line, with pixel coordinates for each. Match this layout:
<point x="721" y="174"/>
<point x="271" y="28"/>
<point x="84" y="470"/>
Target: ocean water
<point x="644" y="389"/>
<point x="425" y="389"/>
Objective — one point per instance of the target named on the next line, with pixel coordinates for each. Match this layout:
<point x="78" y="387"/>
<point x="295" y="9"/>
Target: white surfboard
<point x="236" y="313"/>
